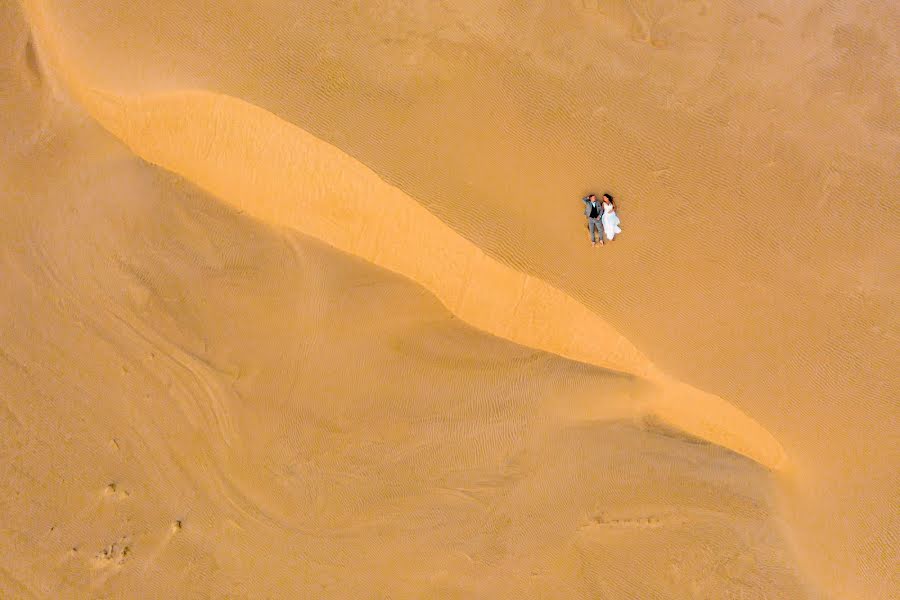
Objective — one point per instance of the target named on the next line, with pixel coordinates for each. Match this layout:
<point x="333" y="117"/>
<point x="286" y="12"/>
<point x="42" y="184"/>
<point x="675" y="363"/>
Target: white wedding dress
<point x="610" y="221"/>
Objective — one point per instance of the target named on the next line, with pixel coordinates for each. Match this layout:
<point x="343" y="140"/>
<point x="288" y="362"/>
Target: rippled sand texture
<point x="210" y="386"/>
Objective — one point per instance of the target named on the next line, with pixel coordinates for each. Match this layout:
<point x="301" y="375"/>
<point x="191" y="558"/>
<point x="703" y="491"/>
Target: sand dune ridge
<point x="261" y="164"/>
<point x="229" y="180"/>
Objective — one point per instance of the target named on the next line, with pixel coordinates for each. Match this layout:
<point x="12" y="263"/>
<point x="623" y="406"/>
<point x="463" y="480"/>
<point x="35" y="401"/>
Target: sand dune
<point x="218" y="408"/>
<point x="194" y="361"/>
<point x="331" y="196"/>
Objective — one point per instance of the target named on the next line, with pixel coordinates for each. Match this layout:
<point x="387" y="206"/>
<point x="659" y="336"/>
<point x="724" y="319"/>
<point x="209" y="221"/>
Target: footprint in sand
<point x="113" y="492"/>
<point x="646" y="520"/>
<point x="114" y="555"/>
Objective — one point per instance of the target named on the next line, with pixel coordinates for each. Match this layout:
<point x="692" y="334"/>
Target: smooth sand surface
<point x="359" y="346"/>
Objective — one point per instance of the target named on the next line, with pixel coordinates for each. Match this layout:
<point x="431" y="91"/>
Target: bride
<point x="610" y="219"/>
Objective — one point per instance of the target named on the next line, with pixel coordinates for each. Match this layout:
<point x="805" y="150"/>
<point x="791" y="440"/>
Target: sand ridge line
<point x="281" y="174"/>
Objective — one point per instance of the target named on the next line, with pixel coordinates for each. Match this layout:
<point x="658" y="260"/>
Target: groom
<point x="593" y="210"/>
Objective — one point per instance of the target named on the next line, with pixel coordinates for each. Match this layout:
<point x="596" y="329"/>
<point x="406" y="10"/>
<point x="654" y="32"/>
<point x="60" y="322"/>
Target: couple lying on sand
<point x="601" y="213"/>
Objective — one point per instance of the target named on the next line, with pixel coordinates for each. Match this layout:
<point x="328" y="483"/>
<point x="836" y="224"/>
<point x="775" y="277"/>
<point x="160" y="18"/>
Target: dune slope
<point x="753" y="149"/>
<point x="199" y="404"/>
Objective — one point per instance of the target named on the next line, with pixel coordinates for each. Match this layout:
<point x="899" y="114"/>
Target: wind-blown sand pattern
<point x="212" y="387"/>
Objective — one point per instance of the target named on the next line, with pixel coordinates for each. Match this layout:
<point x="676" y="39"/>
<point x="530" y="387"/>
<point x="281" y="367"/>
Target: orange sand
<point x="216" y="384"/>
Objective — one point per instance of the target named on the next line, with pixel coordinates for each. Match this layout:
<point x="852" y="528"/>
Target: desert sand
<point x="298" y="300"/>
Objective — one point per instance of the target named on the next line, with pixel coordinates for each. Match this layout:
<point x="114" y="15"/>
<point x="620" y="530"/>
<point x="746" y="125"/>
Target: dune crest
<point x="282" y="174"/>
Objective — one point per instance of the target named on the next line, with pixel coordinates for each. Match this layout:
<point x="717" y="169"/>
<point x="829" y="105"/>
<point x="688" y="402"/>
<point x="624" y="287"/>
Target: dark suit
<point x="593" y="222"/>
